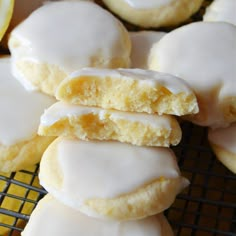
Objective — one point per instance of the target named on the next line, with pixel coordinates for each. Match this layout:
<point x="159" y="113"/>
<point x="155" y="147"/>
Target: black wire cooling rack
<point x="206" y="208"/>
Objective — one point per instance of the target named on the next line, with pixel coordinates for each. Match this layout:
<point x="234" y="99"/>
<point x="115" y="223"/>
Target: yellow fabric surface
<point x="13" y="197"/>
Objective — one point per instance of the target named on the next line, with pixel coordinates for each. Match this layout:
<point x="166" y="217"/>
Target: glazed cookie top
<point x="147" y="4"/>
<point x="59" y="220"/>
<point x="20" y="109"/>
<point x="204" y="55"/>
<point x="221" y="10"/>
<point x="224" y="137"/>
<point x="128" y="166"/>
<point x="71" y="35"/>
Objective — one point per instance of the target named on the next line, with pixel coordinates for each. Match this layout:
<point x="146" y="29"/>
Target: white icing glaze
<point x="20" y="109"/>
<point x="89" y="169"/>
<point x="148" y="4"/>
<point x="142" y="43"/>
<point x="53" y="218"/>
<point x="70" y="38"/>
<point x="221" y="10"/>
<point x="62" y="110"/>
<point x="224" y="137"/>
<point x="203" y="54"/>
<point x="148" y="77"/>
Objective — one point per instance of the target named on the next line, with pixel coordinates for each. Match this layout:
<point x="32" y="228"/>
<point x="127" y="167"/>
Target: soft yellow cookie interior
<point x="126" y="95"/>
<point x="113" y="126"/>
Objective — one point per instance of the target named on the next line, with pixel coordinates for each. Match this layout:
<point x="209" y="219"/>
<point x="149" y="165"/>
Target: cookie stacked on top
<point x="110" y="140"/>
<point x="112" y="158"/>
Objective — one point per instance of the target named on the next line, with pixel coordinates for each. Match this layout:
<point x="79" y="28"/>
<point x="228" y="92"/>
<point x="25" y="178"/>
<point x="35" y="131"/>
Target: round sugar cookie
<point x="111" y="180"/>
<point x="20" y="146"/>
<point x="63" y="36"/>
<point x="221" y="10"/>
<point x="60" y="220"/>
<point x="204" y="55"/>
<point x="154" y="13"/>
<point x="134" y="90"/>
<point x="63" y="119"/>
<point x="142" y="43"/>
<point x="223" y="143"/>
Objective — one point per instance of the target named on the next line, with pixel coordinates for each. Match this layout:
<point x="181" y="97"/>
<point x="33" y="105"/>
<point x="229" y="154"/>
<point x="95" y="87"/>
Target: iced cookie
<point x="63" y="36"/>
<point x="20" y="146"/>
<point x="223" y="143"/>
<point x="63" y="119"/>
<point x="142" y="43"/>
<point x="204" y="55"/>
<point x="154" y="13"/>
<point x="111" y="179"/>
<point x="133" y="90"/>
<point x="60" y="220"/>
<point x="221" y="10"/>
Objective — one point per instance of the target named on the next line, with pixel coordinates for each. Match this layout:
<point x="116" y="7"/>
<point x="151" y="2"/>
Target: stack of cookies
<point x="112" y="159"/>
<point x="110" y="169"/>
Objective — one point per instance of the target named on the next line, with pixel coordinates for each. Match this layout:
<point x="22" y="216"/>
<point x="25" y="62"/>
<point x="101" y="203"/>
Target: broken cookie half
<point x="134" y="90"/>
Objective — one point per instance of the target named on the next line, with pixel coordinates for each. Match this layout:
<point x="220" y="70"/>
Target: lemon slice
<point x="6" y="11"/>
